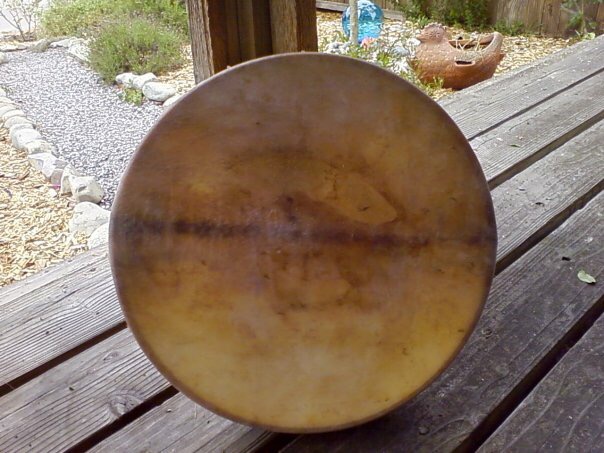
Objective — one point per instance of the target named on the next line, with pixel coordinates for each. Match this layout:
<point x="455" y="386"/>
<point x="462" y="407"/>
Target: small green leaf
<point x="585" y="277"/>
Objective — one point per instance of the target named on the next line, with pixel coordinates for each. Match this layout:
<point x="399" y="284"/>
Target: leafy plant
<point x="21" y="14"/>
<point x="75" y="17"/>
<point x="135" y="45"/>
<point x="87" y="17"/>
<point x="471" y="13"/>
<point x="578" y="19"/>
<point x="133" y="96"/>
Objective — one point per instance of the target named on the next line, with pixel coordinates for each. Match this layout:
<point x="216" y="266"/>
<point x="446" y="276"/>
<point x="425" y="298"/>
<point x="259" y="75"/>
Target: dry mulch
<point x="34" y="219"/>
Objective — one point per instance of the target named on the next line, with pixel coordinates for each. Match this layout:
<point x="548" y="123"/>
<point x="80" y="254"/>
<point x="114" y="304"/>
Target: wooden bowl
<point x="303" y="242"/>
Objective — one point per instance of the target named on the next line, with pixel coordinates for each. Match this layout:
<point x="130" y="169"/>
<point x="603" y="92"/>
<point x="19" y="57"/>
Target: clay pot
<point x="458" y="63"/>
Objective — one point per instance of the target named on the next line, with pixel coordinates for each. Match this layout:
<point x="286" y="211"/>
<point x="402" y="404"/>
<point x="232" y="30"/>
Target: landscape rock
<point x="85" y="188"/>
<point x="172" y="100"/>
<point x="87" y="217"/>
<point x="99" y="236"/>
<point x="7" y="47"/>
<point x="139" y="81"/>
<point x="7" y="108"/>
<point x="12" y="131"/>
<point x="3" y="58"/>
<point x="17" y="120"/>
<point x="23" y="136"/>
<point x="125" y="79"/>
<point x="47" y="163"/>
<point x="11" y="113"/>
<point x="39" y="146"/>
<point x="40" y="46"/>
<point x="157" y="91"/>
<point x="79" y="49"/>
<point x="66" y="42"/>
<point x="68" y="172"/>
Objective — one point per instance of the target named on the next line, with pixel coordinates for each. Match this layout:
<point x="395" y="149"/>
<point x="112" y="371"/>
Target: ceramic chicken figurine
<point x="459" y="64"/>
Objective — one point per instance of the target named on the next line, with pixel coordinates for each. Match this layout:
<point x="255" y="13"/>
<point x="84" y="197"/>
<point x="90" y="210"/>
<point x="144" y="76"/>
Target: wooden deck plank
<point x="532" y="305"/>
<point x="508" y="229"/>
<point x="183" y="426"/>
<point x="62" y="407"/>
<point x="518" y="143"/>
<point x="33" y="327"/>
<point x="565" y="412"/>
<point x="478" y="109"/>
<point x="532" y="203"/>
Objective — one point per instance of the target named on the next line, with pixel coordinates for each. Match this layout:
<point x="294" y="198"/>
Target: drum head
<point x="303" y="242"/>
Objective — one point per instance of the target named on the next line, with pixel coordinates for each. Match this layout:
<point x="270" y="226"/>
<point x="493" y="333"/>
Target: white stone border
<point x="147" y="84"/>
<point x="88" y="217"/>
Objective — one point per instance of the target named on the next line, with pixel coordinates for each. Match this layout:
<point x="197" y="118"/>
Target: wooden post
<point x="227" y="32"/>
<point x="354" y="22"/>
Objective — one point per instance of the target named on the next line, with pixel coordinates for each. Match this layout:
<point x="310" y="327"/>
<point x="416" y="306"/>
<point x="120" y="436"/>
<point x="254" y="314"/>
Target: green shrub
<point x="75" y="17"/>
<point x="171" y="13"/>
<point x="85" y="17"/>
<point x="470" y="13"/>
<point x="135" y="45"/>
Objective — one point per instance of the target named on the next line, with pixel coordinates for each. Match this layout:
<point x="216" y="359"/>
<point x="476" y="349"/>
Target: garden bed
<point x="34" y="219"/>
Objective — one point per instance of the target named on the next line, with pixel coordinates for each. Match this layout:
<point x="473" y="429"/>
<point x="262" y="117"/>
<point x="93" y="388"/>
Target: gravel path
<point x="91" y="127"/>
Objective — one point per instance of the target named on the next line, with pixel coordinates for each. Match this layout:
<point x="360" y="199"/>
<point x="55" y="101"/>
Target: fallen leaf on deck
<point x="585" y="277"/>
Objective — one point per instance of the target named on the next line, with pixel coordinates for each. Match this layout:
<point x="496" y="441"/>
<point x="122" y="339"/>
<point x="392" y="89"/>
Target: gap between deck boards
<point x="498" y="416"/>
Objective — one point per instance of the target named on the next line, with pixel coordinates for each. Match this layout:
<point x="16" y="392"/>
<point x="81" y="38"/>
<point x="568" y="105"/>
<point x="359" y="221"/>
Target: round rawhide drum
<point x="303" y="242"/>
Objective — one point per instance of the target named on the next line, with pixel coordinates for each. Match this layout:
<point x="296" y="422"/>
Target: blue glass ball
<point x="371" y="19"/>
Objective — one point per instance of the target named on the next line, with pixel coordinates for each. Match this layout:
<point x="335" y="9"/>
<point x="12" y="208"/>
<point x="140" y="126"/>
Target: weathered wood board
<point x="521" y="141"/>
<point x="65" y="405"/>
<point x="33" y="330"/>
<point x="547" y="193"/>
<point x="565" y="412"/>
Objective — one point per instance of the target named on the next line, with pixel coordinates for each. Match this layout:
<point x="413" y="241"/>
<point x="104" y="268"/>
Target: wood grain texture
<point x="293" y="25"/>
<point x="64" y="405"/>
<point x="565" y="412"/>
<point x="540" y="198"/>
<point x="532" y="305"/>
<point x="284" y="26"/>
<point x="516" y="144"/>
<point x="191" y="428"/>
<point x="551" y="16"/>
<point x="33" y="327"/>
<point x="206" y="60"/>
<point x="478" y="109"/>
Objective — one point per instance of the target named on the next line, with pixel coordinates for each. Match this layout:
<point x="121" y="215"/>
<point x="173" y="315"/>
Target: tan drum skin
<point x="303" y="242"/>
